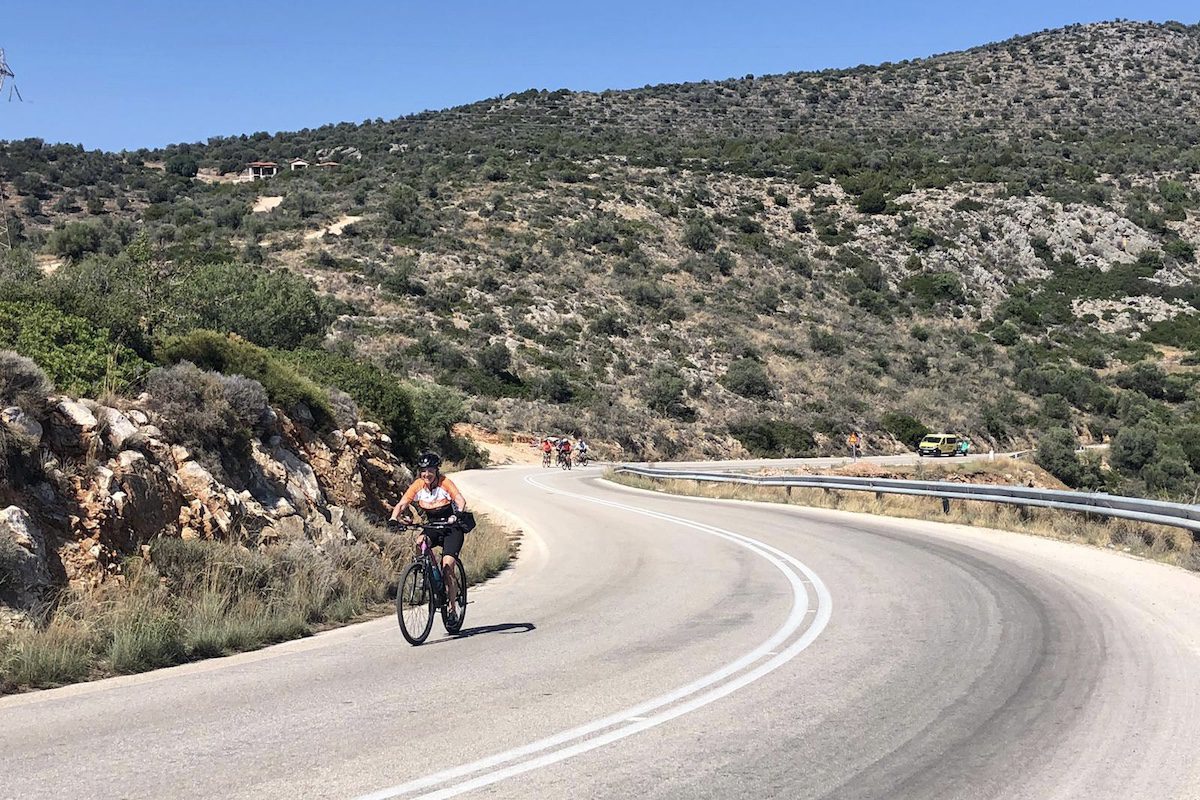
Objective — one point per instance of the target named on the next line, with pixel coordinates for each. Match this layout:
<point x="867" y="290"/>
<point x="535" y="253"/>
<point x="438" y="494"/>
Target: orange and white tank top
<point x="441" y="495"/>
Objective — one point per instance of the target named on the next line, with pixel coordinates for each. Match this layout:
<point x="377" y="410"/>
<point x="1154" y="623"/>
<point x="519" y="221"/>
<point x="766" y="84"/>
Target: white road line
<point x="634" y="720"/>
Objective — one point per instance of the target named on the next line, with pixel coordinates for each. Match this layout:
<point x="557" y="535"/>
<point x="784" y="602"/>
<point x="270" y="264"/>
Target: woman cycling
<point x="440" y="500"/>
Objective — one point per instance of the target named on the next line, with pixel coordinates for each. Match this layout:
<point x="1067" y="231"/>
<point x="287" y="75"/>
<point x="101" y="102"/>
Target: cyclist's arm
<point x="406" y="500"/>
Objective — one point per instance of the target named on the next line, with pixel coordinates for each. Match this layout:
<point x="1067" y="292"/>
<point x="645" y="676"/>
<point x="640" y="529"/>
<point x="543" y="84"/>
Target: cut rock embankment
<point x="89" y="485"/>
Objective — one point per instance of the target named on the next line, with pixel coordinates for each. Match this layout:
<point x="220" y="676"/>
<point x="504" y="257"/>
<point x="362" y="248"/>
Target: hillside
<point x="999" y="241"/>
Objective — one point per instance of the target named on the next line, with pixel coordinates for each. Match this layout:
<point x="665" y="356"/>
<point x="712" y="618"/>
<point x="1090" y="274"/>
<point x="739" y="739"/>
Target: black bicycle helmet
<point x="429" y="461"/>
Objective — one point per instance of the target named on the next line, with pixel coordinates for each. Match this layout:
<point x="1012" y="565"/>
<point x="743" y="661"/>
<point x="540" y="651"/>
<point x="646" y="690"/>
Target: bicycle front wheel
<point x="460" y="582"/>
<point x="414" y="604"/>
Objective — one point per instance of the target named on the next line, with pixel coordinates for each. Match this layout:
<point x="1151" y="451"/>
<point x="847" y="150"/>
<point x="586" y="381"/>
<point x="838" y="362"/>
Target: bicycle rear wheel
<point x="460" y="581"/>
<point x="414" y="604"/>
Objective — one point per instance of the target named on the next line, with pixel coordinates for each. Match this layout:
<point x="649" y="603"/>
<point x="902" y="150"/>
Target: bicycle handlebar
<point x="436" y="525"/>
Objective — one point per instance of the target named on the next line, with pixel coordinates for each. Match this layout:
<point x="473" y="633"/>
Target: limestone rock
<point x="25" y="576"/>
<point x="72" y="426"/>
<point x="117" y="427"/>
<point x="287" y="528"/>
<point x="20" y="425"/>
<point x="292" y="489"/>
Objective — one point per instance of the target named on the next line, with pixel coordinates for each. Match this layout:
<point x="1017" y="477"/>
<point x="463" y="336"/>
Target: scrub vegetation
<point x="188" y="600"/>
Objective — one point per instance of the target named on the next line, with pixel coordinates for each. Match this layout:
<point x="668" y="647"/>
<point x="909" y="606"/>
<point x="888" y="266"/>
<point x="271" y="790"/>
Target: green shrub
<point x="700" y="235"/>
<point x="664" y="392"/>
<point x="1188" y="437"/>
<point x="77" y="357"/>
<point x="608" y="324"/>
<point x="1180" y="249"/>
<point x="648" y="293"/>
<point x="872" y="201"/>
<point x="825" y="342"/>
<point x="922" y="238"/>
<point x="1133" y="448"/>
<point x="407" y="217"/>
<point x="138" y="300"/>
<point x="438" y="409"/>
<point x="74" y="240"/>
<point x="906" y="429"/>
<point x="62" y="652"/>
<point x="269" y="308"/>
<point x="1147" y="378"/>
<point x="773" y="438"/>
<point x="1179" y="331"/>
<point x="495" y="359"/>
<point x="183" y="165"/>
<point x="232" y="355"/>
<point x="1055" y="453"/>
<point x="379" y="395"/>
<point x="931" y="288"/>
<point x="555" y="388"/>
<point x="747" y="377"/>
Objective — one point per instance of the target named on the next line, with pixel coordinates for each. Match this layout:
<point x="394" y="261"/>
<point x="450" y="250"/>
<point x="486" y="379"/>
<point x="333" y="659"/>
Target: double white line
<point x="726" y="680"/>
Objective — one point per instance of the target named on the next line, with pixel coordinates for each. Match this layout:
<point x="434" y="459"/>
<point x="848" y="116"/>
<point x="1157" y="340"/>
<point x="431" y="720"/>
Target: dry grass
<point x="195" y="599"/>
<point x="1171" y="545"/>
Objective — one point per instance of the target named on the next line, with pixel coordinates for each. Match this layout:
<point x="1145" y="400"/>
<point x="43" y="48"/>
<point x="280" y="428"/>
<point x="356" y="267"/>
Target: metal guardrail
<point x="1179" y="515"/>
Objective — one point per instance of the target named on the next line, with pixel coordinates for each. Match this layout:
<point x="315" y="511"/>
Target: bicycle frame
<point x="432" y="563"/>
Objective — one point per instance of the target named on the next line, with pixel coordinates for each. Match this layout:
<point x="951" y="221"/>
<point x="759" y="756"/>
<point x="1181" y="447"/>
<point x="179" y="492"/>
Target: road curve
<point x="676" y="647"/>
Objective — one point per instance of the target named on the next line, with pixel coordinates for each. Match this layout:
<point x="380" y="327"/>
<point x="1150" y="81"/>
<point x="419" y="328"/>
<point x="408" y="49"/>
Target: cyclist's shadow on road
<point x="506" y="628"/>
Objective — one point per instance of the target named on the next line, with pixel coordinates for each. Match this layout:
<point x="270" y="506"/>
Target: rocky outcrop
<point x="24" y="577"/>
<point x="21" y="426"/>
<point x="100" y="483"/>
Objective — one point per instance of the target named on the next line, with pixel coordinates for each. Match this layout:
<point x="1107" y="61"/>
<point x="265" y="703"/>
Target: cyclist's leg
<point x="451" y="546"/>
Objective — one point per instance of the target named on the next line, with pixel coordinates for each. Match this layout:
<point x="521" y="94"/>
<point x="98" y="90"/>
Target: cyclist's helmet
<point x="429" y="461"/>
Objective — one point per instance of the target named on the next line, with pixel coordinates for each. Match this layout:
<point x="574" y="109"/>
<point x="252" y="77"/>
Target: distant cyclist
<point x="439" y="499"/>
<point x="547" y="449"/>
<point x="564" y="452"/>
<point x="582" y="448"/>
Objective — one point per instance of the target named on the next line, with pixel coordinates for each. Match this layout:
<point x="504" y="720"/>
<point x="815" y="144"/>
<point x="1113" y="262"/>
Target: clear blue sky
<point x="122" y="74"/>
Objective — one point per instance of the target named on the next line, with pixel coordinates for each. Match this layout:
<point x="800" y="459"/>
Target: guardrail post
<point x="788" y="489"/>
<point x="945" y="505"/>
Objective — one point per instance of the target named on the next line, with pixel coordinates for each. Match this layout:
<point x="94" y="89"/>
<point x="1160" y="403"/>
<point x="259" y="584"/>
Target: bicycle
<point x="582" y="459"/>
<point x="564" y="460"/>
<point x="545" y="459"/>
<point x="421" y="592"/>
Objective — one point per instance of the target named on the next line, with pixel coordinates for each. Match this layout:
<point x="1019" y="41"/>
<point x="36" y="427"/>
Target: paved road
<point x="672" y="647"/>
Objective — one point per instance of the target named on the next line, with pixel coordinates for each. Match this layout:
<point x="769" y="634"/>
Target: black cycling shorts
<point x="451" y="541"/>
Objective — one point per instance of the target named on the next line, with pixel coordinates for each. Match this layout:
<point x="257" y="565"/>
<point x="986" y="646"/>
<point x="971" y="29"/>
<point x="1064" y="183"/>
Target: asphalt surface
<point x="671" y="647"/>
